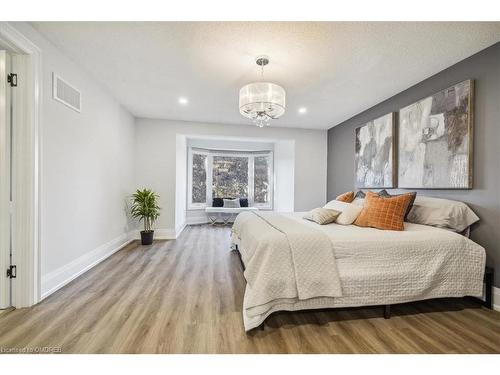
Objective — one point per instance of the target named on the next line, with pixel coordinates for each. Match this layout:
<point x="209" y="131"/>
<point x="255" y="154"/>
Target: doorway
<point x="7" y="270"/>
<point x="20" y="120"/>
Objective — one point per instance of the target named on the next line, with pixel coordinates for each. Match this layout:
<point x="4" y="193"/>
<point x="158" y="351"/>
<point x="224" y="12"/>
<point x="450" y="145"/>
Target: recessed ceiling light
<point x="183" y="100"/>
<point x="302" y="110"/>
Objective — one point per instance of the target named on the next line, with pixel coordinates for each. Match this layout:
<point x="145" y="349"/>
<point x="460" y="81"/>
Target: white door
<point x="5" y="181"/>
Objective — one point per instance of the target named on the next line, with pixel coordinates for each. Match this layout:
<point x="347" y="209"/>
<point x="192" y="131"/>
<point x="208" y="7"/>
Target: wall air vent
<point x="66" y="93"/>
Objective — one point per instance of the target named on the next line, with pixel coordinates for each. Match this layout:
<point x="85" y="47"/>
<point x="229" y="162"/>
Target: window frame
<point x="209" y="173"/>
<point x="189" y="192"/>
<point x="270" y="176"/>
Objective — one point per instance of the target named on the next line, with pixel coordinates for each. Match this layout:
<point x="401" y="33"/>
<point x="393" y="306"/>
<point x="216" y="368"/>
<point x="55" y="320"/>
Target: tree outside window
<point x="226" y="174"/>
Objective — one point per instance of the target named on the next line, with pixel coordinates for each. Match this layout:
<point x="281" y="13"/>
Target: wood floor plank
<point x="186" y="296"/>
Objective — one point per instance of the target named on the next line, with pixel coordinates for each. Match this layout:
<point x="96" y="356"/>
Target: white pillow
<point x="358" y="201"/>
<point x="442" y="213"/>
<point x="349" y="212"/>
<point x="232" y="203"/>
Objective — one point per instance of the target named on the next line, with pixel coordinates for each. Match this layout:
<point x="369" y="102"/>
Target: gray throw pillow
<point x="232" y="203"/>
<point x="361" y="194"/>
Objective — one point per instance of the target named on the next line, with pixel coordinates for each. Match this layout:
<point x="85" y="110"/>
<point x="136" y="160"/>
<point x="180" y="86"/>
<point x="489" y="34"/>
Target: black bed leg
<point x="488" y="280"/>
<point x="387" y="311"/>
<point x="235" y="248"/>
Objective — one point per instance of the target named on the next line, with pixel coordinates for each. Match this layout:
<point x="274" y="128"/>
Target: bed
<point x="294" y="264"/>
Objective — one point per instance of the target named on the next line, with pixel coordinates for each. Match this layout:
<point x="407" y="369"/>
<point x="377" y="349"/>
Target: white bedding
<point x="375" y="267"/>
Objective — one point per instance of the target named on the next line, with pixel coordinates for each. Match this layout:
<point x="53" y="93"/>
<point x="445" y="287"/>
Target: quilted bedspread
<point x="289" y="266"/>
<point x="290" y="260"/>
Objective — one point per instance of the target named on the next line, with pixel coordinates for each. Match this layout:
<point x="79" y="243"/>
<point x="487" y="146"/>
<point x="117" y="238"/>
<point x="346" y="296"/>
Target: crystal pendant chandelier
<point x="262" y="101"/>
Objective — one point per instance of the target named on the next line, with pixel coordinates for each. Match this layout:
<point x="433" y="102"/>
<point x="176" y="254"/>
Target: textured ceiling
<point x="335" y="69"/>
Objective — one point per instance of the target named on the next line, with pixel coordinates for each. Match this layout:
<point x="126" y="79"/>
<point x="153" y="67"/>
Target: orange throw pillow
<point x="383" y="212"/>
<point x="346" y="197"/>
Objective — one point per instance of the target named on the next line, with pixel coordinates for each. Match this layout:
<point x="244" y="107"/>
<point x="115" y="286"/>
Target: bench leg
<point x="213" y="219"/>
<point x="226" y="219"/>
<point x="387" y="312"/>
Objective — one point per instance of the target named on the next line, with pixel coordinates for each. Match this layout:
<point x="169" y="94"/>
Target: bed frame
<point x="488" y="281"/>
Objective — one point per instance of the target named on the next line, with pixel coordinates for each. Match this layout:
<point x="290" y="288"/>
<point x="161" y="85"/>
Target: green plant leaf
<point x="145" y="207"/>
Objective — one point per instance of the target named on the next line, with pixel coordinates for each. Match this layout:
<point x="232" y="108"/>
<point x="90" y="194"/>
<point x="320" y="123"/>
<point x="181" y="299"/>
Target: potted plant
<point x="145" y="208"/>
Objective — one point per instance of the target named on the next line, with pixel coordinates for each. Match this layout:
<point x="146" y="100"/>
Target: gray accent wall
<point x="484" y="198"/>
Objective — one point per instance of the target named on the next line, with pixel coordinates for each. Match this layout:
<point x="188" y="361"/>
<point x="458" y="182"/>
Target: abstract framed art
<point x="375" y="162"/>
<point x="436" y="139"/>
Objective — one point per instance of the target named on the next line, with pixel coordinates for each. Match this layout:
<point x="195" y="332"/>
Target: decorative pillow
<point x="359" y="201"/>
<point x="217" y="202"/>
<point x="348" y="211"/>
<point x="442" y="213"/>
<point x="346" y="197"/>
<point x="359" y="194"/>
<point x="384" y="213"/>
<point x="359" y="198"/>
<point x="232" y="203"/>
<point x="385" y="194"/>
<point x="322" y="216"/>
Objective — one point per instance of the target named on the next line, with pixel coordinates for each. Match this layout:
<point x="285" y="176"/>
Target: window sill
<point x="203" y="208"/>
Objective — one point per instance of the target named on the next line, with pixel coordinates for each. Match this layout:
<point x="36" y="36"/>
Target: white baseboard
<point x="63" y="275"/>
<point x="196" y="217"/>
<point x="496" y="298"/>
<point x="179" y="230"/>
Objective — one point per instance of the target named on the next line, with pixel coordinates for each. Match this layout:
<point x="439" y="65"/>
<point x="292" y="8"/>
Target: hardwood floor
<point x="185" y="296"/>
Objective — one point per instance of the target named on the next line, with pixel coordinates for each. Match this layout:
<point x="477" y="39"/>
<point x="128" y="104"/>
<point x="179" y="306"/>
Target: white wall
<point x="86" y="172"/>
<point x="231" y="145"/>
<point x="156" y="159"/>
<point x="284" y="172"/>
<point x="181" y="182"/>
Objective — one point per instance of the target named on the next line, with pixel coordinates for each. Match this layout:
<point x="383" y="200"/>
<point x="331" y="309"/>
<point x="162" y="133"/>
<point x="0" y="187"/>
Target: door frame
<point x="5" y="184"/>
<point x="26" y="173"/>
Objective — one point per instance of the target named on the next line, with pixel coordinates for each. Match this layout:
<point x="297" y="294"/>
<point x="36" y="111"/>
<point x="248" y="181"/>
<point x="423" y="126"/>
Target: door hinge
<point x="12" y="79"/>
<point x="12" y="272"/>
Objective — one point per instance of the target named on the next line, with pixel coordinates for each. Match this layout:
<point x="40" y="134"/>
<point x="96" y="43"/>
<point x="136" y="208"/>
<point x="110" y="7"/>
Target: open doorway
<point x="20" y="80"/>
<point x="7" y="80"/>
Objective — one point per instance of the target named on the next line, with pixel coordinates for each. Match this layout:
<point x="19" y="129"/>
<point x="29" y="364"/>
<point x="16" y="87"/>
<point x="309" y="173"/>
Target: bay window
<point x="229" y="174"/>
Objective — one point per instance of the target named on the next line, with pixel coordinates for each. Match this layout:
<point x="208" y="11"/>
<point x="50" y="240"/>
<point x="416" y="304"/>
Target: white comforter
<point x="375" y="267"/>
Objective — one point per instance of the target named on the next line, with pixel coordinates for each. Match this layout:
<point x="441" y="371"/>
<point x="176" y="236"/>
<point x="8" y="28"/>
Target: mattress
<point x="376" y="267"/>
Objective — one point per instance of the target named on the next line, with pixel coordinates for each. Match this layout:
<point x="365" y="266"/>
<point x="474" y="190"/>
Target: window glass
<point x="262" y="188"/>
<point x="199" y="190"/>
<point x="225" y="175"/>
<point x="229" y="177"/>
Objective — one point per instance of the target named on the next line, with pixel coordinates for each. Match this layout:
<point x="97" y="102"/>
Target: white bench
<point x="225" y="214"/>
